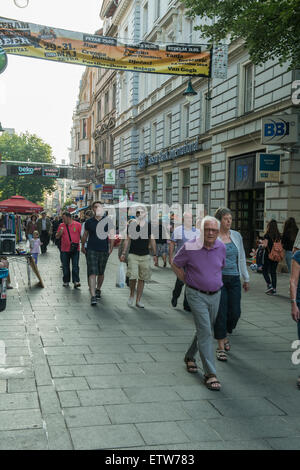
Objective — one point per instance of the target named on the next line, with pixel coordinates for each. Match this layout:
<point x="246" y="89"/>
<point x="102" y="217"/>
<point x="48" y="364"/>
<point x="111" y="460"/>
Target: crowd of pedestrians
<point x="208" y="259"/>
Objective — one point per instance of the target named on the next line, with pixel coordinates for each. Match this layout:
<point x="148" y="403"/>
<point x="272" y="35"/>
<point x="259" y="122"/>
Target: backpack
<point x="277" y="253"/>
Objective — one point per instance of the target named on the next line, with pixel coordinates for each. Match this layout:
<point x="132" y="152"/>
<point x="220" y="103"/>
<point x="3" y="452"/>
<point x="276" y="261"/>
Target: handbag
<point x="74" y="246"/>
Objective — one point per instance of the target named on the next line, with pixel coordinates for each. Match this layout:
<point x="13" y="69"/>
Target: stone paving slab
<point x="113" y="377"/>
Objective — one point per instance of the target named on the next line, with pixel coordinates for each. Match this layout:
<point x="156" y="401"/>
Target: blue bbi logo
<point x="276" y="129"/>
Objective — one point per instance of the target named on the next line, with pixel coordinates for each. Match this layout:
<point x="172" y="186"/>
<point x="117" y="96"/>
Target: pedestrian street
<point x="73" y="376"/>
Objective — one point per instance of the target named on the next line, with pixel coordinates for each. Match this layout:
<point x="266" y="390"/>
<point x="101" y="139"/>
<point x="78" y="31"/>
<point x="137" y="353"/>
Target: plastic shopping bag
<point x="121" y="275"/>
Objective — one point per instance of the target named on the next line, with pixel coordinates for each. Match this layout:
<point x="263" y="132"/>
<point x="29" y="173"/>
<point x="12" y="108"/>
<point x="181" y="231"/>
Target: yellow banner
<point x="44" y="42"/>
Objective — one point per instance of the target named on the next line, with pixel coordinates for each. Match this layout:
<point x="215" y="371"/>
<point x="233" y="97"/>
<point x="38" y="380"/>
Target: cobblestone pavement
<point x="113" y="377"/>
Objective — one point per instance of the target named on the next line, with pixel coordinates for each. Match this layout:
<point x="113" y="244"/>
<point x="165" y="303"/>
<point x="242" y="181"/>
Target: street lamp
<point x="189" y="93"/>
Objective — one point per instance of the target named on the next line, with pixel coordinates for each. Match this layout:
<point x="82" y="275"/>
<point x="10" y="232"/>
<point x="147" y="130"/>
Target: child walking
<point x="35" y="246"/>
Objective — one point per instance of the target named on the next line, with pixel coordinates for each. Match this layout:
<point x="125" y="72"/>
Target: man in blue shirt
<point x="100" y="244"/>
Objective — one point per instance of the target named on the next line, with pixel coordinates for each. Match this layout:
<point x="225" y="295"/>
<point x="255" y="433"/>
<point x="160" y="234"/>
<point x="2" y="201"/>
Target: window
<point x="77" y="140"/>
<point x="142" y="186"/>
<point x="157" y="9"/>
<point x="207" y="111"/>
<point x="142" y="140"/>
<point x="191" y="29"/>
<point x="84" y="128"/>
<point x="114" y="95"/>
<point x="154" y="189"/>
<point x="111" y="149"/>
<point x="169" y="189"/>
<point x="103" y="143"/>
<point x="185" y="186"/>
<point x="145" y="19"/>
<point x="83" y="161"/>
<point x="186" y="121"/>
<point x="168" y="130"/>
<point x="106" y="102"/>
<point x="248" y="88"/>
<point x="121" y="149"/>
<point x="153" y="136"/>
<point x="98" y="110"/>
<point x="206" y="187"/>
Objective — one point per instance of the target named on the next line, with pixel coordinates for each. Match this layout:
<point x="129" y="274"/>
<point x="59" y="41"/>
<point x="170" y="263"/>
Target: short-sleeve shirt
<point x="95" y="242"/>
<point x="203" y="267"/>
<point x="296" y="257"/>
<point x="297" y="241"/>
<point x="75" y="230"/>
<point x="181" y="235"/>
<point x="140" y="237"/>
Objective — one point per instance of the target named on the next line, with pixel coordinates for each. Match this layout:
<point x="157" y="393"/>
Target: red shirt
<point x="75" y="231"/>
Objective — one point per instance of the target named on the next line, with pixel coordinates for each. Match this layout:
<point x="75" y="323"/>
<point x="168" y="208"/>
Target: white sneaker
<point x="139" y="304"/>
<point x="130" y="301"/>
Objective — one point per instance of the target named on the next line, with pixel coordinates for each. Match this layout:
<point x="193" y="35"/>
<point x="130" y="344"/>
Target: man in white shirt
<point x="181" y="234"/>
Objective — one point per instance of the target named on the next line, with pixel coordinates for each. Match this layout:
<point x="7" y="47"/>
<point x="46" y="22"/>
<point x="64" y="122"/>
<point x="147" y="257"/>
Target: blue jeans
<point x="229" y="308"/>
<point x="66" y="257"/>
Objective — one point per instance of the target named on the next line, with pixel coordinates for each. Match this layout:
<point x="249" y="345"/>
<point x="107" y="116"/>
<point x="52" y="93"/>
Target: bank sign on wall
<point x="281" y="129"/>
<point x="148" y="160"/>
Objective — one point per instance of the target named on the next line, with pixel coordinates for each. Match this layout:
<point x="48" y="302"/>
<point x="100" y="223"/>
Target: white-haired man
<point x="199" y="265"/>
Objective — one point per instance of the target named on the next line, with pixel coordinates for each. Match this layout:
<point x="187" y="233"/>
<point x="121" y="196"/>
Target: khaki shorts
<point x="139" y="267"/>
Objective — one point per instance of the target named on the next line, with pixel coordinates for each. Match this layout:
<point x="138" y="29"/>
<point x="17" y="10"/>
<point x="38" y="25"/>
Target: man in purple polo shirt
<point x="199" y="265"/>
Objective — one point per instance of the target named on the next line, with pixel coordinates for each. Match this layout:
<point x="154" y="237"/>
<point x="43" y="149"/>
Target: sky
<point x="40" y="96"/>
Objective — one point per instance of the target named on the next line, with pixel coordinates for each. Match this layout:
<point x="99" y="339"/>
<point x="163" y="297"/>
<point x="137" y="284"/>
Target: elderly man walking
<point x="44" y="229"/>
<point x="199" y="265"/>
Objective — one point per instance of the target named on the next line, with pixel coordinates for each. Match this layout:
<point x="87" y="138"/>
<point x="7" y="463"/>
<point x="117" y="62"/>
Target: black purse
<point x="74" y="246"/>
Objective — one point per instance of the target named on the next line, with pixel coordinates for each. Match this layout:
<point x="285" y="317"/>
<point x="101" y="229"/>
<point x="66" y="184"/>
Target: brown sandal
<point x="193" y="369"/>
<point x="209" y="385"/>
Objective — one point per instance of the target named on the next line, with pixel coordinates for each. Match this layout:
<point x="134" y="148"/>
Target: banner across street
<point x="45" y="42"/>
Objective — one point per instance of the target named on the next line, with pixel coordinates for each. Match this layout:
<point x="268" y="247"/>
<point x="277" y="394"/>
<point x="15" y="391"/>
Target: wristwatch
<point x="293" y="301"/>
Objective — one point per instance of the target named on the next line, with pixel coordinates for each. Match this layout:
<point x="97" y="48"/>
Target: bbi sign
<point x="279" y="129"/>
<point x="267" y="167"/>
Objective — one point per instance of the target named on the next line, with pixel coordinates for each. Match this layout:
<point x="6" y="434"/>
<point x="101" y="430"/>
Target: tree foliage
<point x="26" y="148"/>
<point x="270" y="28"/>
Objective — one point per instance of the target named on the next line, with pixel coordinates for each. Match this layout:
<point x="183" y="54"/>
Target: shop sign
<point x="121" y="174"/>
<point x="267" y="167"/>
<point x="110" y="176"/>
<point x="281" y="129"/>
<point x="186" y="149"/>
<point x="117" y="193"/>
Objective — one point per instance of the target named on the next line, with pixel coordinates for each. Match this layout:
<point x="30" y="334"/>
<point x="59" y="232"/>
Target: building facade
<point x="200" y="151"/>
